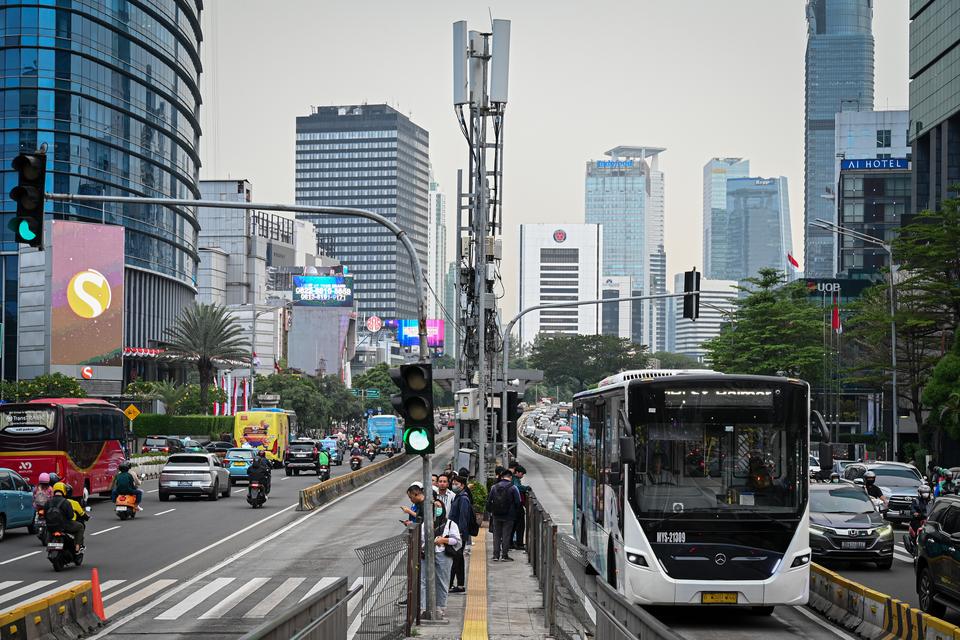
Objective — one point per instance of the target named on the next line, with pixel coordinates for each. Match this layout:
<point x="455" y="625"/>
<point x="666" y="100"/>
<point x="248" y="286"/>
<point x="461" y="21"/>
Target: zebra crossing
<point x="241" y="598"/>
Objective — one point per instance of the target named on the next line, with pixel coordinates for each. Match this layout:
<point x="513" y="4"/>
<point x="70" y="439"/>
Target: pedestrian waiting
<point x="503" y="503"/>
<point x="446" y="541"/>
<point x="462" y="513"/>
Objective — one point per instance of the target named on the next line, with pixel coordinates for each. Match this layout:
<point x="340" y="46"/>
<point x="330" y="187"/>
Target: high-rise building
<point x="559" y="263"/>
<point x="759" y="218"/>
<point x="934" y="101"/>
<point x="839" y="77"/>
<point x="617" y="317"/>
<point x="437" y="250"/>
<point x="370" y="157"/>
<point x="112" y="88"/>
<point x="450" y="339"/>
<point x="625" y="195"/>
<point x="717" y="303"/>
<point x="718" y="241"/>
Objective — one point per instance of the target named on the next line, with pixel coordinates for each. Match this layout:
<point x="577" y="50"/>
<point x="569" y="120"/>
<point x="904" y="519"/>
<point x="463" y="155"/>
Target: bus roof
<point x="650" y="374"/>
<point x="646" y="375"/>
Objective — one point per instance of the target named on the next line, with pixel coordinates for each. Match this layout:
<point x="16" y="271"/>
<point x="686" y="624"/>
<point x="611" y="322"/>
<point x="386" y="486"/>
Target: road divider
<point x="547" y="453"/>
<point x="65" y="614"/>
<point x="323" y="492"/>
<point x="870" y="614"/>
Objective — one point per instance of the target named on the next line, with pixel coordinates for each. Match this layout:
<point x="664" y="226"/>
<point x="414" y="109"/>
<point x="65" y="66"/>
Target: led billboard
<point x="408" y="333"/>
<point x="86" y="285"/>
<point x="323" y="291"/>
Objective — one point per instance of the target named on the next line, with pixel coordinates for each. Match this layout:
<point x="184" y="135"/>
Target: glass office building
<point x="839" y="77"/>
<point x="934" y="100"/>
<point x="759" y="216"/>
<point x="876" y="203"/>
<point x="371" y="157"/>
<point x="719" y="244"/>
<point x="112" y="88"/>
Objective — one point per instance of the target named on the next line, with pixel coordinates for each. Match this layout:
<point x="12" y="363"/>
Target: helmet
<point x="923" y="491"/>
<point x="125" y="465"/>
<point x="60" y="488"/>
<point x="69" y="490"/>
<point x="869" y="477"/>
<point x="54" y="478"/>
<point x="44" y="478"/>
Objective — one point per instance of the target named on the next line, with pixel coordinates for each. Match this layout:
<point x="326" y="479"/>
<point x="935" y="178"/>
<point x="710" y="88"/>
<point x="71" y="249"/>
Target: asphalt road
<point x="553" y="484"/>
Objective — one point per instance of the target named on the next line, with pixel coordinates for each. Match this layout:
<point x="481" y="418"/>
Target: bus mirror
<point x="628" y="451"/>
<point x="826" y="457"/>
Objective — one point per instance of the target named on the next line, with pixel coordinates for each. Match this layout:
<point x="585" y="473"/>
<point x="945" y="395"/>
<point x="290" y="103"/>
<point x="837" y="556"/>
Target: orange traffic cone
<point x="97" y="597"/>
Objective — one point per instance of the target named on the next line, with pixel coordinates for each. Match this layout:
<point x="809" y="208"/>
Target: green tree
<point x="170" y="394"/>
<point x="52" y="385"/>
<point x="377" y="378"/>
<point x="584" y="360"/>
<point x="190" y="404"/>
<point x="299" y="393"/>
<point x="340" y="405"/>
<point x="204" y="333"/>
<point x="774" y="329"/>
<point x="670" y="360"/>
<point x="942" y="395"/>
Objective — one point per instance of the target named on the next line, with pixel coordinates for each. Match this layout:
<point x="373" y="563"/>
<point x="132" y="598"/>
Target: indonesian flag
<point x="216" y="404"/>
<point x="256" y="359"/>
<point x="226" y="402"/>
<point x="835" y="323"/>
<point x="793" y="261"/>
<point x="235" y="397"/>
<point x="276" y="367"/>
<point x="246" y="401"/>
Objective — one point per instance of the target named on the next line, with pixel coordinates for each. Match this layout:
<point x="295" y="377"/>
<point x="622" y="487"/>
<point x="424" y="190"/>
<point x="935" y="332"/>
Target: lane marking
<point x="105" y="530"/>
<point x="194" y="599"/>
<point x="26" y="555"/>
<point x="160" y="513"/>
<point x="324" y="582"/>
<point x="828" y="627"/>
<point x="9" y="583"/>
<point x="33" y="586"/>
<point x="241" y="489"/>
<point x="234" y="598"/>
<point x="110" y="584"/>
<point x="903" y="558"/>
<point x="267" y="605"/>
<point x="355" y="599"/>
<point x="136" y="597"/>
<point x="153" y="490"/>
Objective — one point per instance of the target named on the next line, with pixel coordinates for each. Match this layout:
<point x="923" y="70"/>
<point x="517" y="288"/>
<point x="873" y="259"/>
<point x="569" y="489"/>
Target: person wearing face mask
<point x="447" y="542"/>
<point x="462" y="513"/>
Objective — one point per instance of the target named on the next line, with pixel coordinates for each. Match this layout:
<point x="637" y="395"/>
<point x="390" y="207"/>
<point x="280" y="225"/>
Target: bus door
<point x="599" y="467"/>
<point x="614" y="429"/>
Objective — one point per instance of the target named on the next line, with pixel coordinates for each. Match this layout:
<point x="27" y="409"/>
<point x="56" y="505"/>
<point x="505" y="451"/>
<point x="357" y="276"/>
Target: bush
<point x="149" y="424"/>
<point x="479" y="492"/>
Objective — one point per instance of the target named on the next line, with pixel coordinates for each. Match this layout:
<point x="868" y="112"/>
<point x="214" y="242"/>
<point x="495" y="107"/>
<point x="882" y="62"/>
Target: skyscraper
<point x="839" y="77"/>
<point x="759" y="218"/>
<point x="718" y="242"/>
<point x="625" y="196"/>
<point x="113" y="89"/>
<point x="437" y="250"/>
<point x="371" y="157"/>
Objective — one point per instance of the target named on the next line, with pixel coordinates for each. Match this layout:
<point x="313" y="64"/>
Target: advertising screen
<point x="87" y="294"/>
<point x="323" y="291"/>
<point x="407" y="333"/>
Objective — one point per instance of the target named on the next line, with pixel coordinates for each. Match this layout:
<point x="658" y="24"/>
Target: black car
<point x="938" y="557"/>
<point x="844" y="525"/>
<point x="218" y="448"/>
<point x="162" y="444"/>
<point x="302" y="455"/>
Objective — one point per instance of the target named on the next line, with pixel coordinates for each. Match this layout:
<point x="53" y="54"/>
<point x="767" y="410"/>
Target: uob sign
<point x="823" y="287"/>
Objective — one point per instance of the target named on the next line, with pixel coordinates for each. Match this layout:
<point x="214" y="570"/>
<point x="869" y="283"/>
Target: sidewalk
<point x="503" y="600"/>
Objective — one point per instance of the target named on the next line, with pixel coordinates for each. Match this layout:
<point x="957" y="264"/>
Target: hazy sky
<point x="702" y="78"/>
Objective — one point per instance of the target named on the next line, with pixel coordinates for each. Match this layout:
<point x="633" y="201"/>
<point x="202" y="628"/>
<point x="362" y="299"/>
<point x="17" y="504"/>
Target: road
<point x="178" y="560"/>
<point x="553" y="484"/>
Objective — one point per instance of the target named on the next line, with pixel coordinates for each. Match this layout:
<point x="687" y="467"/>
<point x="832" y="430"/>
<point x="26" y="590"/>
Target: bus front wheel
<point x="763" y="611"/>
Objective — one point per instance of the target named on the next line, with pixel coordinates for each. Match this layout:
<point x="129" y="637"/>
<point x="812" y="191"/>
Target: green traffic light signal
<point x="25" y="233"/>
<point x="31" y="171"/>
<point x="415" y="404"/>
<point x="416" y="440"/>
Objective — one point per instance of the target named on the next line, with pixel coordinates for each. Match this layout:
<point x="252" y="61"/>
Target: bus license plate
<point x="719" y="597"/>
<point x="853" y="545"/>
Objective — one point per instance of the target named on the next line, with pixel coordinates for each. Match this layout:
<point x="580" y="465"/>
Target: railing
<point x="386" y="571"/>
<point x="323" y="616"/>
<point x="547" y="453"/>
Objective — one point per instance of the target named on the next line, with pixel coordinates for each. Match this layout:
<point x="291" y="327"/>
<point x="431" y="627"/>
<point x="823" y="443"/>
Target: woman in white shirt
<point x="446" y="536"/>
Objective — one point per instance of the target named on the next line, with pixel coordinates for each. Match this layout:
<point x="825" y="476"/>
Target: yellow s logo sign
<point x="88" y="293"/>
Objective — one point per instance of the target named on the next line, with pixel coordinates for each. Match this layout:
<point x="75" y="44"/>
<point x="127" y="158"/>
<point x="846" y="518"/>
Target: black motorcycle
<point x="256" y="494"/>
<point x="61" y="550"/>
<point x="371" y="454"/>
<point x="355" y="462"/>
<point x="40" y="524"/>
<point x="323" y="472"/>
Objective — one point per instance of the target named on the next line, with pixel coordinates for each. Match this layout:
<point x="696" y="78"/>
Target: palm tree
<point x="950" y="412"/>
<point x="170" y="394"/>
<point x="204" y="333"/>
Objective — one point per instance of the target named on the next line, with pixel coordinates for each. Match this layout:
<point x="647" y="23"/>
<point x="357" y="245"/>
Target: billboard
<point x="323" y="291"/>
<point x="86" y="287"/>
<point x="408" y="337"/>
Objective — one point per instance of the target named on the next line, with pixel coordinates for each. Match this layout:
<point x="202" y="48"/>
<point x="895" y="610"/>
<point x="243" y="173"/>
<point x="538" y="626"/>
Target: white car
<point x="194" y="474"/>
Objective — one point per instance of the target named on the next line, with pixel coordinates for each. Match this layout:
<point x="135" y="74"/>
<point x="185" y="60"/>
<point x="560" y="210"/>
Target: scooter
<point x="126" y="507"/>
<point x="256" y="495"/>
<point x="371" y="454"/>
<point x="61" y="551"/>
<point x="40" y="524"/>
<point x="323" y="472"/>
<point x="355" y="462"/>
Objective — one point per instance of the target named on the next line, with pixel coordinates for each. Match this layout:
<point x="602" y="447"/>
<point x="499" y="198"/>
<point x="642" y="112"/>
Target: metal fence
<point x="387" y="584"/>
<point x="323" y="616"/>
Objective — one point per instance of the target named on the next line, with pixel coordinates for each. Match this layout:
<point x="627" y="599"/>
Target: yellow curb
<point x="475" y="614"/>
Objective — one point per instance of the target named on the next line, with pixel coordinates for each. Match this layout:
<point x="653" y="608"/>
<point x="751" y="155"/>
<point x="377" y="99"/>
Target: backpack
<point x="54" y="516"/>
<point x="501" y="499"/>
<point x="473" y="527"/>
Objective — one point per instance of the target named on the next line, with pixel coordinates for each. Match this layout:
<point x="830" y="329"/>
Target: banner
<point x="408" y="333"/>
<point x="323" y="291"/>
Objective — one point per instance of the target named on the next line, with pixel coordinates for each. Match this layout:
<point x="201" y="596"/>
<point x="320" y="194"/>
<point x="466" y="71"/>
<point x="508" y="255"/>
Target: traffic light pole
<point x="429" y="564"/>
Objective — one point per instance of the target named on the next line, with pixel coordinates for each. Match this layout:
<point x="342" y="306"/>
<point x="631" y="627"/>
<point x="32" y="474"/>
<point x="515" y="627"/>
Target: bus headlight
<point x="637" y="559"/>
<point x="800" y="560"/>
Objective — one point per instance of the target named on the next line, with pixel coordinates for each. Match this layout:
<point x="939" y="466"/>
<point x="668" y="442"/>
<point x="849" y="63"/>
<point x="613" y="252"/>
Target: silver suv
<point x="897" y="480"/>
<point x="194" y="474"/>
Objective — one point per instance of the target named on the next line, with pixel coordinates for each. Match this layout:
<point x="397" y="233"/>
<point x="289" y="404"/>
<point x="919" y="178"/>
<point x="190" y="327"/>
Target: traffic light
<point x="415" y="404"/>
<point x="691" y="304"/>
<point x="31" y="171"/>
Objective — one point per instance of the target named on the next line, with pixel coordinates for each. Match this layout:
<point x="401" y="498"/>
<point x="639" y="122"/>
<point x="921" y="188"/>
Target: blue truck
<point x="386" y="427"/>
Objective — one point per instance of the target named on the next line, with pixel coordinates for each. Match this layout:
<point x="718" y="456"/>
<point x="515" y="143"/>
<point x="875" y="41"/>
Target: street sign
<point x="373" y="393"/>
<point x="131" y="412"/>
<point x="355" y="392"/>
<point x="370" y="412"/>
<point x="374" y="324"/>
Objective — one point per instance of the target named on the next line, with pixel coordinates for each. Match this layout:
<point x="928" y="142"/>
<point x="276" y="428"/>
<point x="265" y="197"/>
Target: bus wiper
<point x="673" y="516"/>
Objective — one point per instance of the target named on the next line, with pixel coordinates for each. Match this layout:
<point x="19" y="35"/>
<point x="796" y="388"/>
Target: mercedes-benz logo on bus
<point x="720" y="559"/>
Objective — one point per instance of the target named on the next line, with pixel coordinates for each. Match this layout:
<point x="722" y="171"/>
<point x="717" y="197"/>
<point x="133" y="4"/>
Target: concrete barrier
<point x="553" y="455"/>
<point x="874" y="612"/>
<point x="64" y="615"/>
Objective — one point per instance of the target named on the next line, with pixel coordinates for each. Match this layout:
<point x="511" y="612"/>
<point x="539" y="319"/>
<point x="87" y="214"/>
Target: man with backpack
<point x="64" y="514"/>
<point x="503" y="503"/>
<point x="461" y="512"/>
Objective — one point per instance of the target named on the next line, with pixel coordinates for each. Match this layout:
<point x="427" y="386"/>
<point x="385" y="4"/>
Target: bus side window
<point x="73" y="426"/>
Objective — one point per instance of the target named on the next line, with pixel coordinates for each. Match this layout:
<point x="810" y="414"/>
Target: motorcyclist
<point x="42" y="492"/>
<point x="870" y="485"/>
<point x="356" y="452"/>
<point x="64" y="514"/>
<point x="260" y="470"/>
<point x="919" y="506"/>
<point x="126" y="483"/>
<point x="323" y="458"/>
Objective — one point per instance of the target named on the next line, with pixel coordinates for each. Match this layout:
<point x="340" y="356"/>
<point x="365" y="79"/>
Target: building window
<point x="883" y="138"/>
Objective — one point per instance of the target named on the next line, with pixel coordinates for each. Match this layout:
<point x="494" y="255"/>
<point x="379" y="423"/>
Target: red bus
<point x="81" y="439"/>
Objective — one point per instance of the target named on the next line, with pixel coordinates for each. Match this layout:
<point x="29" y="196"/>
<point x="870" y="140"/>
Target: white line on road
<point x="324" y="582"/>
<point x="231" y="600"/>
<point x="33" y="586"/>
<point x="194" y="599"/>
<point x="110" y="584"/>
<point x="26" y="555"/>
<point x="136" y="597"/>
<point x="160" y="513"/>
<point x="38" y="597"/>
<point x="240" y="490"/>
<point x="153" y="490"/>
<point x="828" y="627"/>
<point x="355" y="598"/>
<point x="105" y="530"/>
<point x="10" y="583"/>
<point x="274" y="599"/>
<point x="903" y="558"/>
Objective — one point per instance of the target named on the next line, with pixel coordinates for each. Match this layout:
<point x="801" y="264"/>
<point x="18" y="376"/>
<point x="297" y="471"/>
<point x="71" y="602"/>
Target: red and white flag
<point x="235" y="397"/>
<point x="835" y="322"/>
<point x="226" y="402"/>
<point x="246" y="400"/>
<point x="793" y="261"/>
<point x="216" y="403"/>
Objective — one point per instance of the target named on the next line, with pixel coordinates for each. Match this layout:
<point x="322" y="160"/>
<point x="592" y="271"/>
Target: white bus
<point x="690" y="487"/>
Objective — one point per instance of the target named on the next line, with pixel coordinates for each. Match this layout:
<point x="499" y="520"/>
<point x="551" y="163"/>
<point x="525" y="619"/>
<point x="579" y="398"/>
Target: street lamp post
<point x="840" y="230"/>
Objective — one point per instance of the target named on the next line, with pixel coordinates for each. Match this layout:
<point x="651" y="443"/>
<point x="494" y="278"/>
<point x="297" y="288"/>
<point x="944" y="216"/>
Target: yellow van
<point x="267" y="429"/>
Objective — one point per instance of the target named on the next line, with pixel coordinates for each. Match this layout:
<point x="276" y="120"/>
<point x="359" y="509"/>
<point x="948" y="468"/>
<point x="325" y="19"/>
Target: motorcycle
<point x="389" y="453"/>
<point x="323" y="472"/>
<point x="126" y="507"/>
<point x="256" y="495"/>
<point x="355" y="462"/>
<point x="371" y="454"/>
<point x="40" y="524"/>
<point x="61" y="551"/>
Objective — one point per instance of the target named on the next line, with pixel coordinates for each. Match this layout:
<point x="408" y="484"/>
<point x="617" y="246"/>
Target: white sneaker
<point x="441" y="612"/>
<point x="139" y="508"/>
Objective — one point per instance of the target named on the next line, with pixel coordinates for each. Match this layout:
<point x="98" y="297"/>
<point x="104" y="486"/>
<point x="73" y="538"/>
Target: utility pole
<point x="481" y="63"/>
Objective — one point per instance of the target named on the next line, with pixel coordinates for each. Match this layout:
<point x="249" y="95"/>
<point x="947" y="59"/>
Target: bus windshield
<point x="723" y="447"/>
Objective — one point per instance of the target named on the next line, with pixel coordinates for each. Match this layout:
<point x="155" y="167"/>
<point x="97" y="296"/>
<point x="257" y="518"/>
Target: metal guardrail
<point x="323" y="616"/>
<point x="385" y="570"/>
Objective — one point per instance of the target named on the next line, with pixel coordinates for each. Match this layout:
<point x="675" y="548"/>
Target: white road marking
<point x="903" y="558"/>
<point x="837" y="632"/>
<point x="134" y="598"/>
<point x="234" y="598"/>
<point x="41" y="596"/>
<point x="153" y="490"/>
<point x="26" y="555"/>
<point x="110" y="584"/>
<point x="160" y="513"/>
<point x="9" y="583"/>
<point x="240" y="490"/>
<point x="33" y="586"/>
<point x="105" y="530"/>
<point x="269" y="603"/>
<point x="194" y="599"/>
<point x="355" y="599"/>
<point x="324" y="582"/>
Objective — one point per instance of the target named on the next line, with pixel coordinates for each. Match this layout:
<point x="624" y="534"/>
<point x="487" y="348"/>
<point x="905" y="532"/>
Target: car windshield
<point x="897" y="477"/>
<point x="155" y="442"/>
<point x="301" y="447"/>
<point x="242" y="454"/>
<point x="201" y="460"/>
<point x="814" y="462"/>
<point x="843" y="500"/>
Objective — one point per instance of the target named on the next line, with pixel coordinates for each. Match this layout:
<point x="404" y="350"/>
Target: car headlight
<point x="886" y="531"/>
<point x="818" y="530"/>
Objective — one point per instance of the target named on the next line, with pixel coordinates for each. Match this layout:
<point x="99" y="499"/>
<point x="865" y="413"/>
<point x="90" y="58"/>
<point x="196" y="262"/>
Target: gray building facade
<point x="370" y="157"/>
<point x="719" y="243"/>
<point x="759" y="217"/>
<point x="839" y="76"/>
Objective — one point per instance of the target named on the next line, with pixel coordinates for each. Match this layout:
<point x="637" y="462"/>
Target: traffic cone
<point x="97" y="597"/>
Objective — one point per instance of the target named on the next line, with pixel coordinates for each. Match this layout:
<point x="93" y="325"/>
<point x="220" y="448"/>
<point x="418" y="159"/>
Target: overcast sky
<point x="702" y="78"/>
